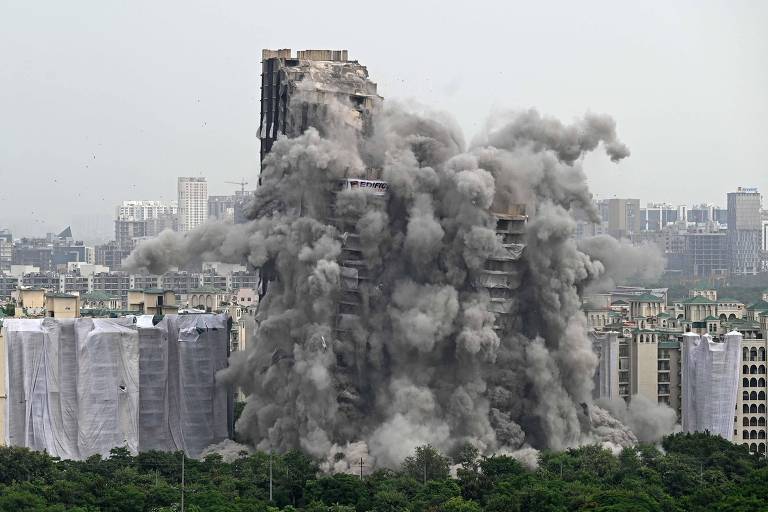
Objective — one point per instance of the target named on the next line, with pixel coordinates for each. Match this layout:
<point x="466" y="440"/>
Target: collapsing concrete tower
<point x="502" y="271"/>
<point x="710" y="383"/>
<point x="296" y="93"/>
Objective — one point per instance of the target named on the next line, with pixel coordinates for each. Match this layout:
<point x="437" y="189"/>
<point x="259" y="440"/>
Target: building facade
<point x="623" y="217"/>
<point x="193" y="202"/>
<point x="706" y="254"/>
<point x="6" y="250"/>
<point x="744" y="225"/>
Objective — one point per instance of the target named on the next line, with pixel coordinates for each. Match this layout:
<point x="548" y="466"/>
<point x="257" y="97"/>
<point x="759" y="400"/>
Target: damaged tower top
<point x="296" y="93"/>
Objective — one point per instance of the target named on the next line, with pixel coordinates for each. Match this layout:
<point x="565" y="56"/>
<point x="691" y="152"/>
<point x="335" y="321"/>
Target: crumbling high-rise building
<point x="502" y="272"/>
<point x="296" y="92"/>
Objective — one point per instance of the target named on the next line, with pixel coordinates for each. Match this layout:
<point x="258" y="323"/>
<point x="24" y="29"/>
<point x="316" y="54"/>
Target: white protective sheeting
<point x="606" y="379"/>
<point x="107" y="386"/>
<point x="78" y="387"/>
<point x="181" y="405"/>
<point x="710" y="380"/>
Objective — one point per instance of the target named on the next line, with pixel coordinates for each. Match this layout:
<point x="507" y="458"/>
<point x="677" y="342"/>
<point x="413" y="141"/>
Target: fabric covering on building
<point x="80" y="387"/>
<point x="710" y="380"/>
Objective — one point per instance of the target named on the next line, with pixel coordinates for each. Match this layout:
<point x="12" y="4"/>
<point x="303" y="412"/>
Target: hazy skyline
<point x="106" y="101"/>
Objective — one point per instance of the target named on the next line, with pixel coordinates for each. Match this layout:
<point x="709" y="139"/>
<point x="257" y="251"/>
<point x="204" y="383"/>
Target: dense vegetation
<point x="691" y="472"/>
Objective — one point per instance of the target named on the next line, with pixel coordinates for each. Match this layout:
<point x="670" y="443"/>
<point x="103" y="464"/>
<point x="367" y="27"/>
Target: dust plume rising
<point x="403" y="347"/>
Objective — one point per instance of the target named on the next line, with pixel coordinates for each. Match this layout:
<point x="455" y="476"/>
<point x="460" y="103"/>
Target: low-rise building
<point x="152" y="301"/>
<point x="62" y="305"/>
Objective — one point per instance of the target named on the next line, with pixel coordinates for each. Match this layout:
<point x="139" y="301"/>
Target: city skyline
<point x="143" y="133"/>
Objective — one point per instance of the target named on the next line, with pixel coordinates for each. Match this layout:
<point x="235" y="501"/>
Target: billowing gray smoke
<point x="417" y="360"/>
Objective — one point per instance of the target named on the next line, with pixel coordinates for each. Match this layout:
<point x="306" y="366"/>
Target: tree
<point x="339" y="489"/>
<point x="389" y="501"/>
<point x="459" y="504"/>
<point x="426" y="464"/>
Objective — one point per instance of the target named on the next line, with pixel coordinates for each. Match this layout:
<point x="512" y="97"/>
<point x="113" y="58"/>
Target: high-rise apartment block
<point x="135" y="220"/>
<point x="706" y="254"/>
<point x="744" y="236"/>
<point x="6" y="250"/>
<point x="193" y="202"/>
<point x="622" y="216"/>
<point x="144" y="210"/>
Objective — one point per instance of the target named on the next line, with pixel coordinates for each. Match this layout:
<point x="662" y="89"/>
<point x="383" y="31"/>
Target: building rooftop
<point x="61" y="295"/>
<point x="646" y="297"/>
<point x="205" y="289"/>
<point x="699" y="300"/>
<point x="619" y="303"/>
<point x="711" y="318"/>
<point x="97" y="295"/>
<point x="760" y="305"/>
<point x="156" y="290"/>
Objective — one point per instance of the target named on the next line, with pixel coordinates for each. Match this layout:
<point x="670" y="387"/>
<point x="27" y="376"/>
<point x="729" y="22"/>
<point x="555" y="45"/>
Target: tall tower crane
<point x="242" y="184"/>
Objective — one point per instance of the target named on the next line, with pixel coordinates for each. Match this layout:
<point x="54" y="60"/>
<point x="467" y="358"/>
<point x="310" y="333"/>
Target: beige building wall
<point x="707" y="294"/>
<point x="62" y="306"/>
<point x="31" y="302"/>
<point x="645" y="366"/>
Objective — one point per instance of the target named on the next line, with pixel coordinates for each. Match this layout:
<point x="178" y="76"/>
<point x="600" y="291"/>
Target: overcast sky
<point x="103" y="101"/>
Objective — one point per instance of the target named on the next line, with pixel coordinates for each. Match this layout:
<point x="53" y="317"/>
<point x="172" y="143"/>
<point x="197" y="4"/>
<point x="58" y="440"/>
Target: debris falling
<point x="371" y="357"/>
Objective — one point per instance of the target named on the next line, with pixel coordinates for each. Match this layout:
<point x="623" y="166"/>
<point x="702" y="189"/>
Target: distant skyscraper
<point x="706" y="254"/>
<point x="139" y="219"/>
<point x="221" y="208"/>
<point x="623" y="217"/>
<point x="6" y="250"/>
<point x="765" y="236"/>
<point x="744" y="225"/>
<point x="193" y="203"/>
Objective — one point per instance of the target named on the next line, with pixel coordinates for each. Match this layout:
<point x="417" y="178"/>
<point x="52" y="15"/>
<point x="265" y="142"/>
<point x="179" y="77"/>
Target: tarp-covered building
<point x="79" y="387"/>
<point x="710" y="381"/>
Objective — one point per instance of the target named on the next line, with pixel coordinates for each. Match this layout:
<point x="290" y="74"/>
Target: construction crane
<point x="242" y="184"/>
